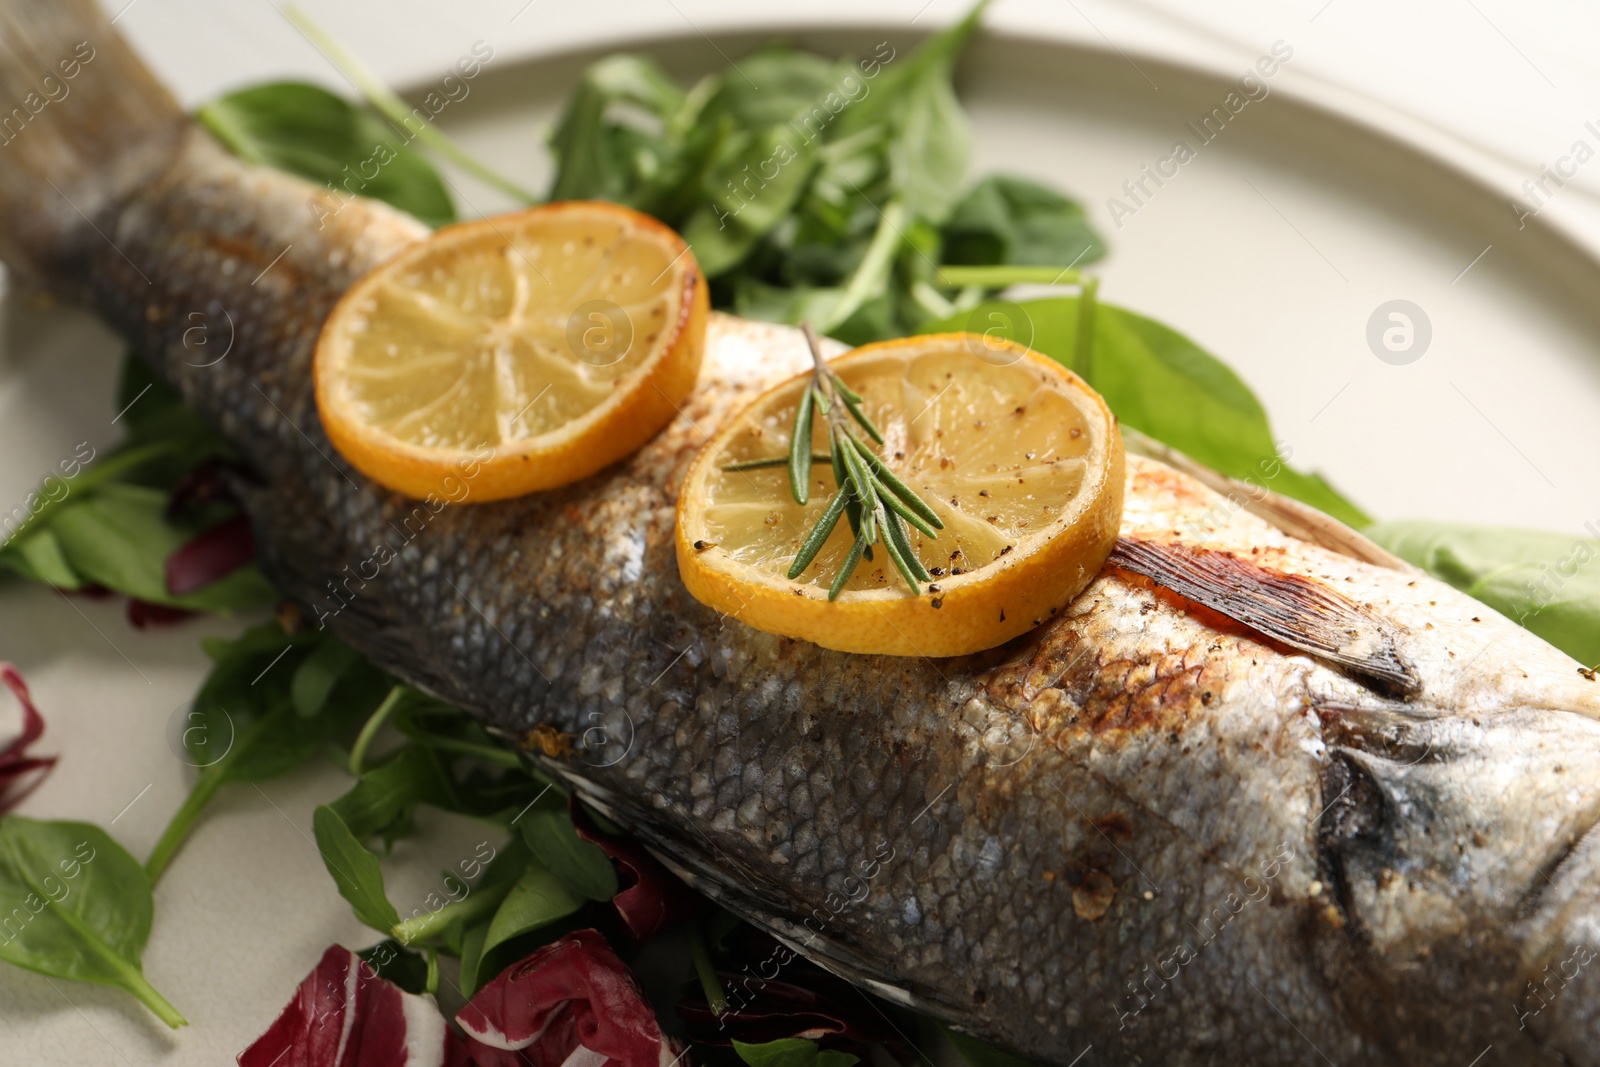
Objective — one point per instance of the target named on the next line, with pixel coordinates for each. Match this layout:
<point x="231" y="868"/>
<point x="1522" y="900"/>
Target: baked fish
<point x="1261" y="794"/>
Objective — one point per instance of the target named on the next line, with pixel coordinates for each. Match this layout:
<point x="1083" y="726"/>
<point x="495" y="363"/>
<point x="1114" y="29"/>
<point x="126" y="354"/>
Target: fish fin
<point x="82" y="120"/>
<point x="1299" y="612"/>
<point x="1287" y="514"/>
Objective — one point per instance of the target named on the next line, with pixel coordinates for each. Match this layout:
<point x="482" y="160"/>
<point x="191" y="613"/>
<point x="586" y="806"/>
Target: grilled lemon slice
<point x="1019" y="458"/>
<point x="514" y="353"/>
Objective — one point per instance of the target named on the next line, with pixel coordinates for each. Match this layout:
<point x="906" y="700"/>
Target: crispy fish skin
<point x="1155" y="829"/>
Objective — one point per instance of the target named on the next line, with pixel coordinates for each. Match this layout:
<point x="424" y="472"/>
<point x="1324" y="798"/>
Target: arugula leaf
<point x="791" y="1052"/>
<point x="308" y="131"/>
<point x="1544" y="582"/>
<point x="355" y="870"/>
<point x="582" y="865"/>
<point x="1015" y="221"/>
<point x="1158" y="381"/>
<point x="80" y="907"/>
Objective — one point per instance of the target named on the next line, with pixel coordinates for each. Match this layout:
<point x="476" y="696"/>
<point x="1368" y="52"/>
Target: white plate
<point x="1272" y="248"/>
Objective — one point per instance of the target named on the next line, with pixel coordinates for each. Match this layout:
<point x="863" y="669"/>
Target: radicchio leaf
<point x="20" y="772"/>
<point x="210" y="556"/>
<point x="652" y="898"/>
<point x="142" y="614"/>
<point x="344" y="1015"/>
<point x="572" y="1003"/>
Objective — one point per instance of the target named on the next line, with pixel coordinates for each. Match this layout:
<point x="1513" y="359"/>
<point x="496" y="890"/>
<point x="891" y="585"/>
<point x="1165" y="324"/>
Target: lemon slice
<point x="1021" y="461"/>
<point x="514" y="353"/>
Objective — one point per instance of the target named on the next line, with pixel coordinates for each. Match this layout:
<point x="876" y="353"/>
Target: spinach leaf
<point x="1546" y="582"/>
<point x="355" y="870"/>
<point x="393" y="962"/>
<point x="1014" y="221"/>
<point x="791" y="1052"/>
<point x="308" y="131"/>
<point x="76" y="906"/>
<point x="582" y="865"/>
<point x="612" y="139"/>
<point x="537" y="899"/>
<point x="1158" y="381"/>
<point x="120" y="537"/>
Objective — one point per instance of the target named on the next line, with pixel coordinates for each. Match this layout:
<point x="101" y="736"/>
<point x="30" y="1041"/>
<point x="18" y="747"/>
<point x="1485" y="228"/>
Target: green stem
<point x="477" y="904"/>
<point x="109" y="468"/>
<point x="432" y="985"/>
<point x="1083" y="345"/>
<point x="374" y="723"/>
<point x="395" y="110"/>
<point x="873" y="273"/>
<point x="1002" y="275"/>
<point x="709" y="982"/>
<point x="211" y="779"/>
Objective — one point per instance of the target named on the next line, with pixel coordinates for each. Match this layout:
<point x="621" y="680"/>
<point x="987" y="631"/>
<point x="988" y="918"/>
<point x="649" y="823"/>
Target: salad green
<point x="835" y="195"/>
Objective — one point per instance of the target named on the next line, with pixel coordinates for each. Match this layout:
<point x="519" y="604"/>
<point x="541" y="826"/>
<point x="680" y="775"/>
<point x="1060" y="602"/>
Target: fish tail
<point x="82" y="121"/>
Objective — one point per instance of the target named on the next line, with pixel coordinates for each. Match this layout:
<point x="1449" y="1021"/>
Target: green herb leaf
<point x="308" y="131"/>
<point x="355" y="870"/>
<point x="1545" y="582"/>
<point x="538" y="899"/>
<point x="320" y="672"/>
<point x="982" y="1054"/>
<point x="791" y="1052"/>
<point x="395" y="963"/>
<point x="614" y="135"/>
<point x="120" y="537"/>
<point x="1158" y="381"/>
<point x="1007" y="220"/>
<point x="79" y="907"/>
<point x="556" y="846"/>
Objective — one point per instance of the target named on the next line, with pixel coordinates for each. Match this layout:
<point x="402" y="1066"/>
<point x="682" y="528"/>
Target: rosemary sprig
<point x="877" y="504"/>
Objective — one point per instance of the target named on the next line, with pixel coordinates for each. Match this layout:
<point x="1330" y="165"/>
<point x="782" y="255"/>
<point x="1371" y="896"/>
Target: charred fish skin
<point x="1150" y="830"/>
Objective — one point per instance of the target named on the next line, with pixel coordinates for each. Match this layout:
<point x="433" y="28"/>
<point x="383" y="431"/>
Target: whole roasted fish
<point x="1259" y="795"/>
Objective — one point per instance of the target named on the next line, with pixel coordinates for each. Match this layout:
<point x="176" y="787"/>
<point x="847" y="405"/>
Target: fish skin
<point x="1331" y="873"/>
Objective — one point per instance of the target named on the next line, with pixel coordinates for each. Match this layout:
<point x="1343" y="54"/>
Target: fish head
<point x="1463" y="880"/>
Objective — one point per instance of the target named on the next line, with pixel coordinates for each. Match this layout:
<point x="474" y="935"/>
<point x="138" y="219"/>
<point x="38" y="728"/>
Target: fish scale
<point x="1155" y="829"/>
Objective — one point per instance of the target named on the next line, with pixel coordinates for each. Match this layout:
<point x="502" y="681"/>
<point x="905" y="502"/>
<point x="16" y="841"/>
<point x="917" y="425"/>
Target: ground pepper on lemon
<point x="1022" y="461"/>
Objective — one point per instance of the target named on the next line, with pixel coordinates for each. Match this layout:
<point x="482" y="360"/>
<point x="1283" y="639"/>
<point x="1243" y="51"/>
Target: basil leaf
<point x="1542" y="581"/>
<point x="308" y="131"/>
<point x="77" y="906"/>
<point x="538" y="899"/>
<point x="1007" y="220"/>
<point x="120" y="537"/>
<point x="1158" y="381"/>
<point x="791" y="1052"/>
<point x="354" y="869"/>
<point x="582" y="865"/>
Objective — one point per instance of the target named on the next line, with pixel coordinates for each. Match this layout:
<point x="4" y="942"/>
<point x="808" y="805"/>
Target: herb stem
<point x="710" y="984"/>
<point x="88" y="479"/>
<point x="212" y="778"/>
<point x="395" y="110"/>
<point x="369" y="729"/>
<point x="476" y="905"/>
<point x="873" y="272"/>
<point x="1002" y="275"/>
